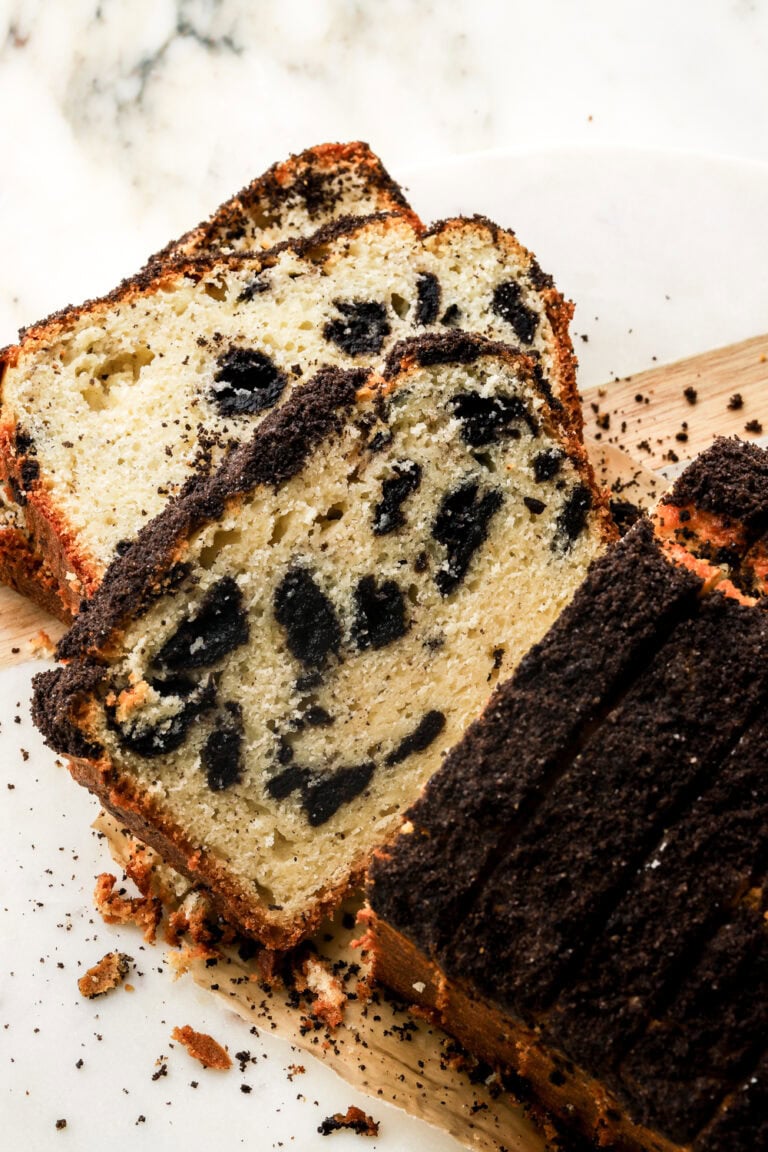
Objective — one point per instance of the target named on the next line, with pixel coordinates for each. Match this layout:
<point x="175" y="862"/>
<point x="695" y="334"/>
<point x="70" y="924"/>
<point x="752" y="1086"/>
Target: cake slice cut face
<point x="292" y="199"/>
<point x="150" y="386"/>
<point x="265" y="680"/>
<point x="579" y="894"/>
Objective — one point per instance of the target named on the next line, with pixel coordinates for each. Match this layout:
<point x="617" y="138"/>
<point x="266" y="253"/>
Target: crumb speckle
<point x="203" y="1047"/>
<point x="110" y="971"/>
<point x="354" y="1119"/>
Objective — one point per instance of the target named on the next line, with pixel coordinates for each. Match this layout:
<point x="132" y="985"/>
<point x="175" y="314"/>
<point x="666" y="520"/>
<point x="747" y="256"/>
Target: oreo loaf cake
<point x="579" y="895"/>
<point x="292" y="199"/>
<point x="266" y="678"/>
<point x="202" y="353"/>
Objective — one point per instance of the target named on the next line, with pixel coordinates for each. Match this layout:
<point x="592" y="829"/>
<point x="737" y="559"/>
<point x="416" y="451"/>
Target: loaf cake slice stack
<point x="265" y="680"/>
<point x="579" y="895"/>
<point x="154" y="383"/>
<point x="292" y="199"/>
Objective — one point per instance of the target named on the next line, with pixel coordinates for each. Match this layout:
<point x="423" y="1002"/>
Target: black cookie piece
<point x="362" y="329"/>
<point x="485" y="419"/>
<point x="247" y="381"/>
<point x="222" y="754"/>
<point x="308" y="617"/>
<point x="573" y="516"/>
<point x="428" y="729"/>
<point x="321" y="796"/>
<point x="150" y="740"/>
<point x="428" y="301"/>
<point x="547" y="464"/>
<point x="388" y="513"/>
<point x="324" y="795"/>
<point x="379" y="613"/>
<point x="507" y="304"/>
<point x="221" y="624"/>
<point x="461" y="525"/>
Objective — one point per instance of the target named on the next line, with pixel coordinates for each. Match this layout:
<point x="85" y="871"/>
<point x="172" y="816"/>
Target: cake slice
<point x="579" y="894"/>
<point x="292" y="199"/>
<point x="150" y="385"/>
<point x="265" y="680"/>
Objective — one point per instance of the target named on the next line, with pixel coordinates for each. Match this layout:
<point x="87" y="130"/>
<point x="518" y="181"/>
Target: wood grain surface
<point x="635" y="426"/>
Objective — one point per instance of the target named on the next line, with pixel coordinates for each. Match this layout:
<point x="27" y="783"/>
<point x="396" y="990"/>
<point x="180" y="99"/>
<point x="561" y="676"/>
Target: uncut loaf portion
<point x="580" y="893"/>
<point x="265" y="680"/>
<point x="108" y="410"/>
<point x="291" y="199"/>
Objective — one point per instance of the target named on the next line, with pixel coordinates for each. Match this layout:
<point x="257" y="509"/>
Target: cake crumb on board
<point x="203" y="1047"/>
<point x="106" y="975"/>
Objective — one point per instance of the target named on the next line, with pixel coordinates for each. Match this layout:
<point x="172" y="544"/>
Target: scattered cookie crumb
<point x="354" y="1119"/>
<point x="203" y="1047"/>
<point x="690" y="394"/>
<point x="330" y="997"/>
<point x="110" y="971"/>
<point x="736" y="401"/>
<point x="61" y="1124"/>
<point x="753" y="426"/>
<point x="41" y="644"/>
<point x="144" y="911"/>
<point x="295" y="1070"/>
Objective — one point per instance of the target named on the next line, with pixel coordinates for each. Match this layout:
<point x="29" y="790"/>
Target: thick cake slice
<point x="579" y="894"/>
<point x="265" y="680"/>
<point x="148" y="386"/>
<point x="292" y="199"/>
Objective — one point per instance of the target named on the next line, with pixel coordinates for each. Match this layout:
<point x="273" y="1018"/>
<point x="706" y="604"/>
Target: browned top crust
<point x="455" y="347"/>
<point x="308" y="176"/>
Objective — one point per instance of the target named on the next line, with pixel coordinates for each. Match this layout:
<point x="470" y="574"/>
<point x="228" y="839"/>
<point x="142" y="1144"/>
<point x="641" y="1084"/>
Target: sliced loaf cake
<point x="579" y="895"/>
<point x="108" y="410"/>
<point x="264" y="681"/>
<point x="292" y="199"/>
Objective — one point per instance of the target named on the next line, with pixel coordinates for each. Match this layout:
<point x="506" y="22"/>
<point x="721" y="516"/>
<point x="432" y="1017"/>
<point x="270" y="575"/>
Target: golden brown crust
<point x="231" y="900"/>
<point x="564" y="1089"/>
<point x="22" y="570"/>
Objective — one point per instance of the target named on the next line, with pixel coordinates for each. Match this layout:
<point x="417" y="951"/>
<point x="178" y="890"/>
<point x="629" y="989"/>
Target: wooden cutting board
<point x="635" y="426"/>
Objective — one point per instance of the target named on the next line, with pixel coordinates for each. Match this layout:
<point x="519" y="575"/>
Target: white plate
<point x="663" y="254"/>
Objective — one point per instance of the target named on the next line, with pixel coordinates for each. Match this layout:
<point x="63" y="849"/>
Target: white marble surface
<point x="122" y="122"/>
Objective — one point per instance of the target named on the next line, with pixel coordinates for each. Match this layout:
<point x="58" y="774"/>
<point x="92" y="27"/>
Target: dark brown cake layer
<point x="709" y="1034"/>
<point x="629" y="601"/>
<point x="569" y="866"/>
<point x="608" y="925"/>
<point x="687" y="887"/>
<point x="742" y="1123"/>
